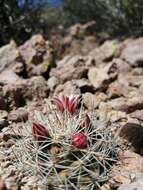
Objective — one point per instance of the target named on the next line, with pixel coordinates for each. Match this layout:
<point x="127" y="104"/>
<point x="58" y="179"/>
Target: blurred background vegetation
<point x="21" y="19"/>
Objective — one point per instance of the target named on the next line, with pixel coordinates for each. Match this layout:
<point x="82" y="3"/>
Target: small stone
<point x="52" y="83"/>
<point x="105" y="52"/>
<point x="132" y="52"/>
<point x="117" y="89"/>
<point x="9" y="77"/>
<point x="67" y="89"/>
<point x="137" y="114"/>
<point x="18" y="115"/>
<point x="130" y="164"/>
<point x="8" y="55"/>
<point x="137" y="185"/>
<point x="92" y="101"/>
<point x="101" y="77"/>
<point x="70" y="67"/>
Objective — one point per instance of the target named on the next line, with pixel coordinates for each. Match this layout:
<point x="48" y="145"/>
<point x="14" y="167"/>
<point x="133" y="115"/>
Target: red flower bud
<point x="39" y="132"/>
<point x="79" y="140"/>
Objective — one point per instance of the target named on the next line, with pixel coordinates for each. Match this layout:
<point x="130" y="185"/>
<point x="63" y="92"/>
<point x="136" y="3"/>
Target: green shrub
<point x="118" y="17"/>
<point x="115" y="17"/>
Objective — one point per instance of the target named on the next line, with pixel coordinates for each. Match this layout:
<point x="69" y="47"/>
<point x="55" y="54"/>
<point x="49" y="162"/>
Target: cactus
<point x="67" y="150"/>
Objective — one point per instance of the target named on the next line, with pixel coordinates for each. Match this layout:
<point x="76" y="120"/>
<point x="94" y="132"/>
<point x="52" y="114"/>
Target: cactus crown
<point x="67" y="149"/>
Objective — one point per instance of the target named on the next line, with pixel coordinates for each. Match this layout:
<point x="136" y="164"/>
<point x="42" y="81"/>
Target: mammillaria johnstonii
<point x="75" y="150"/>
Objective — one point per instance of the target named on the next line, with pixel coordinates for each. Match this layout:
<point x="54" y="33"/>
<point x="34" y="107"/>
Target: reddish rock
<point x="117" y="89"/>
<point x="18" y="93"/>
<point x="38" y="56"/>
<point x="133" y="101"/>
<point x="132" y="52"/>
<point x="105" y="52"/>
<point x="101" y="77"/>
<point x="8" y="77"/>
<point x="137" y="114"/>
<point x="33" y="50"/>
<point x="123" y="67"/>
<point x="71" y="67"/>
<point x="128" y="169"/>
<point x="67" y="88"/>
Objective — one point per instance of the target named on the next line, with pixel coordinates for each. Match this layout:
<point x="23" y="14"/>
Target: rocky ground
<point x="108" y="76"/>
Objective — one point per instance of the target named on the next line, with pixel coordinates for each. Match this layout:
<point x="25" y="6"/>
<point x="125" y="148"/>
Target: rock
<point x="52" y="83"/>
<point x="117" y="89"/>
<point x="123" y="67"/>
<point x="118" y="104"/>
<point x="79" y="30"/>
<point x="106" y="113"/>
<point x="14" y="95"/>
<point x="137" y="71"/>
<point x="30" y="183"/>
<point x="105" y="52"/>
<point x="132" y="52"/>
<point x="91" y="101"/>
<point x="33" y="50"/>
<point x="36" y="70"/>
<point x="106" y="187"/>
<point x="18" y="115"/>
<point x="8" y="76"/>
<point x="71" y="67"/>
<point x="101" y="77"/>
<point x="135" y="81"/>
<point x="18" y="93"/>
<point x="88" y="44"/>
<point x="11" y="183"/>
<point x="133" y="101"/>
<point x="38" y="56"/>
<point x="128" y="169"/>
<point x="137" y="185"/>
<point x="67" y="88"/>
<point x="8" y="55"/>
<point x="74" y="46"/>
<point x="84" y="86"/>
<point x="137" y="114"/>
<point x="34" y="88"/>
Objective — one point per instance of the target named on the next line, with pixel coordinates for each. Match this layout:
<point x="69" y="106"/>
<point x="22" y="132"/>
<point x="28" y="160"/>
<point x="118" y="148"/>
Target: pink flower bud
<point x="39" y="132"/>
<point x="67" y="103"/>
<point x="79" y="140"/>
